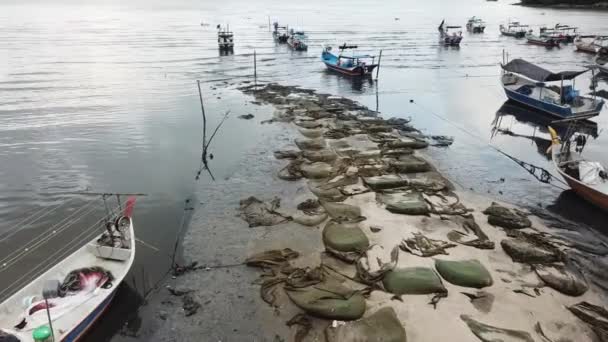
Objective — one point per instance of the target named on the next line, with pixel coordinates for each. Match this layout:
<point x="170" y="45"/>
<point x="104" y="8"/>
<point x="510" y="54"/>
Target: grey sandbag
<point x="562" y="279"/>
<point x="342" y="211"/>
<point x="316" y="170"/>
<point x="506" y="218"/>
<point x="345" y="237"/>
<point x="409" y="164"/>
<point x="327" y="194"/>
<point x="310" y="144"/>
<point x="595" y="316"/>
<point x="431" y="181"/>
<point x="309" y="220"/>
<point x="413" y="280"/>
<point x="311" y="132"/>
<point x="385" y="182"/>
<point x="468" y="273"/>
<point x="407" y="143"/>
<point x="526" y="252"/>
<point x="381" y="326"/>
<point x="329" y="300"/>
<point x="325" y="155"/>
<point x="408" y="203"/>
<point x="287" y="154"/>
<point x="488" y="333"/>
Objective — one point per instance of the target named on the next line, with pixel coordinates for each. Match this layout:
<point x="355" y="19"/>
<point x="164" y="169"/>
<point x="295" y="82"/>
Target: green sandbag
<point x="413" y="280"/>
<point x="468" y="273"/>
<point x="382" y="326"/>
<point x="409" y="164"/>
<point x="329" y="300"/>
<point x="408" y="203"/>
<point x="344" y="237"/>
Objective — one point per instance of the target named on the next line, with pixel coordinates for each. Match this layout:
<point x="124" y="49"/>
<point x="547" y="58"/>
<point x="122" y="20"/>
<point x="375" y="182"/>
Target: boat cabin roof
<point x="534" y="72"/>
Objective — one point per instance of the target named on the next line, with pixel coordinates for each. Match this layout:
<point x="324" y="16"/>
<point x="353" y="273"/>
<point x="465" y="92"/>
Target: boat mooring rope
<point x="545" y="176"/>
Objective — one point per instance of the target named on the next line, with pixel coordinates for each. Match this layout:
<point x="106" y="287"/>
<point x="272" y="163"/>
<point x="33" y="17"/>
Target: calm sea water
<point x="101" y="96"/>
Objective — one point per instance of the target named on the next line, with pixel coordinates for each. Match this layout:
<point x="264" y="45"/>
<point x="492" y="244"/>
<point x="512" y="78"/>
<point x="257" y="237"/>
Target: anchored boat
<point x="591" y="44"/>
<point x="67" y="300"/>
<point x="514" y="29"/>
<point x="559" y="33"/>
<point x="449" y="39"/>
<point x="280" y="33"/>
<point x="587" y="178"/>
<point x="225" y="38"/>
<point x="525" y="83"/>
<point x="354" y="65"/>
<point x="297" y="40"/>
<point x="543" y="41"/>
<point x="476" y="25"/>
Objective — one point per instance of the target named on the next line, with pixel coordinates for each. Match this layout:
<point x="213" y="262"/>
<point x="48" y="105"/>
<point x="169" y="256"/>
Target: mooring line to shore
<point x="545" y="177"/>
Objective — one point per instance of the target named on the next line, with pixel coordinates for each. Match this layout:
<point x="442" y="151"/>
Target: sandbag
<point x="260" y="213"/>
<point x="329" y="300"/>
<point x="326" y="194"/>
<point x="308" y="124"/>
<point x="526" y="252"/>
<point x="426" y="181"/>
<point x="413" y="280"/>
<point x="309" y="220"/>
<point x="310" y="144"/>
<point x="311" y="133"/>
<point x="384" y="182"/>
<point x="595" y="316"/>
<point x="345" y="237"/>
<point x="343" y="211"/>
<point x="325" y="155"/>
<point x="409" y="203"/>
<point x="562" y="279"/>
<point x="407" y="143"/>
<point x="287" y="154"/>
<point x="409" y="164"/>
<point x="468" y="273"/>
<point x="381" y="326"/>
<point x="316" y="170"/>
<point x="488" y="333"/>
<point x="506" y="218"/>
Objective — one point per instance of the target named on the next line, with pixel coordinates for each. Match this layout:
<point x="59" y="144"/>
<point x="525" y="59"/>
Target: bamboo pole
<point x="378" y="67"/>
<point x="200" y="95"/>
<point x="255" y="71"/>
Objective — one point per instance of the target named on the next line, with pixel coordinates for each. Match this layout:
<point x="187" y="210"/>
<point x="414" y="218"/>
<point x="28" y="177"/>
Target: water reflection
<point x="226" y="51"/>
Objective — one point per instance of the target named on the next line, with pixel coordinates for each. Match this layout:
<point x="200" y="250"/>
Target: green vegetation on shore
<point x="595" y="4"/>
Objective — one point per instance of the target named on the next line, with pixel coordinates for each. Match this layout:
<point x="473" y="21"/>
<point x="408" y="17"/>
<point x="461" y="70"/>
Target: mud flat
<point x="352" y="235"/>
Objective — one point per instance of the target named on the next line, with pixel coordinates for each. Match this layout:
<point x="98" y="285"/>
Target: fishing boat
<point x="476" y="25"/>
<point x="543" y="41"/>
<point x="297" y="40"/>
<point x="280" y="33"/>
<point x="225" y="38"/>
<point x="354" y="65"/>
<point x="559" y="33"/>
<point x="65" y="302"/>
<point x="514" y="29"/>
<point x="449" y="39"/>
<point x="525" y="83"/>
<point x="591" y="44"/>
<point x="586" y="178"/>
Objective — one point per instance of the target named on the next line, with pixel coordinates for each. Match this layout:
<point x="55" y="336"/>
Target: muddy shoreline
<point x="370" y="176"/>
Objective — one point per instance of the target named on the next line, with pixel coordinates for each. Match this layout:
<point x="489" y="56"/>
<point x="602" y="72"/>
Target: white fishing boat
<point x="448" y="38"/>
<point x="514" y="29"/>
<point x="591" y="44"/>
<point x="225" y="38"/>
<point x="476" y="25"/>
<point x="66" y="301"/>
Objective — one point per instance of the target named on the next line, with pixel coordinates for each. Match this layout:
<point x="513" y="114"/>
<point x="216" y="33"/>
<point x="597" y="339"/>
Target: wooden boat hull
<point x="544" y="42"/>
<point x="357" y="71"/>
<point x="514" y="34"/>
<point x="561" y="112"/>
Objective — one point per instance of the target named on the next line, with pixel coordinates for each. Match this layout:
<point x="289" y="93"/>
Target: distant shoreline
<point x="599" y="6"/>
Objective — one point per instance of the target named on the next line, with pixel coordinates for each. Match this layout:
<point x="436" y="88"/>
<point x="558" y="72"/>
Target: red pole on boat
<point x="129" y="206"/>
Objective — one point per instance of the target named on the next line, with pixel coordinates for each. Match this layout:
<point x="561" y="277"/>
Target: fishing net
<point x="79" y="279"/>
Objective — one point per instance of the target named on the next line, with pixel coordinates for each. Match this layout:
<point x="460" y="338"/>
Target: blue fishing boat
<point x="525" y="83"/>
<point x="354" y="65"/>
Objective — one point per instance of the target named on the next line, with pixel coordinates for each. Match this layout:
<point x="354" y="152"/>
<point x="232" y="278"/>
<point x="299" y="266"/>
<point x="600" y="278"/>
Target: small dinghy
<point x="354" y="65"/>
<point x="525" y="83"/>
<point x="65" y="301"/>
<point x="476" y="25"/>
<point x="591" y="44"/>
<point x="587" y="178"/>
<point x="448" y="38"/>
<point x="543" y="41"/>
<point x="559" y="33"/>
<point x="297" y="40"/>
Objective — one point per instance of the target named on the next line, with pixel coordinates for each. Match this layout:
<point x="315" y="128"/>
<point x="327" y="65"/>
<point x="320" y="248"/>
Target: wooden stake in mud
<point x="200" y="95"/>
<point x="378" y="67"/>
<point x="255" y="71"/>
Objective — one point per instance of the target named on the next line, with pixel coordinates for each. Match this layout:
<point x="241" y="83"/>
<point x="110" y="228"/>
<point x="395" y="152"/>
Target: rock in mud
<point x="562" y="279"/>
<point x="488" y="333"/>
<point x="527" y="252"/>
<point x="260" y="213"/>
<point x="385" y="182"/>
<point x="506" y="218"/>
<point x="325" y="155"/>
<point x="329" y="300"/>
<point x="343" y="211"/>
<point x="344" y="240"/>
<point x="287" y="154"/>
<point x="408" y="164"/>
<point x="311" y="144"/>
<point x="408" y="203"/>
<point x="381" y="326"/>
<point x="467" y="273"/>
<point x="413" y="281"/>
<point x="595" y="316"/>
<point x="316" y="170"/>
<point x="311" y="133"/>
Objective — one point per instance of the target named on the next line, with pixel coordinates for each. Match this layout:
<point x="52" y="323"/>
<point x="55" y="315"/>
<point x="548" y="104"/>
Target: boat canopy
<point x="534" y="72"/>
